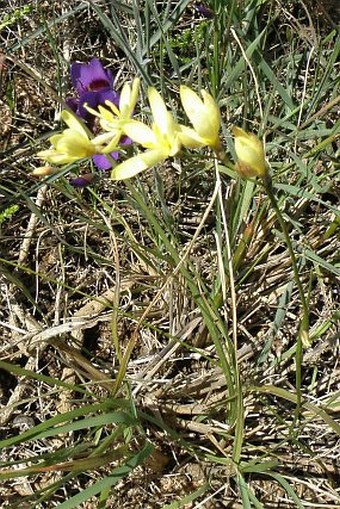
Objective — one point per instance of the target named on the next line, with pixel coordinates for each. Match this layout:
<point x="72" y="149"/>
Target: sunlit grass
<point x="151" y="326"/>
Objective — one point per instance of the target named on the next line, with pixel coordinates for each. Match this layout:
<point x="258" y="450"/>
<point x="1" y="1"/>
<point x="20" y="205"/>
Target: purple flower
<point x="94" y="85"/>
<point x="91" y="77"/>
<point x="102" y="162"/>
<point x="205" y="11"/>
<point x="83" y="180"/>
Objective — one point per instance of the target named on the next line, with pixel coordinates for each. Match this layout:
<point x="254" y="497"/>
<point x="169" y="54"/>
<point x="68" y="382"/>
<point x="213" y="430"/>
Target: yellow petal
<point x="174" y="142"/>
<point x="74" y="123"/>
<point x="157" y="105"/>
<point x="110" y="126"/>
<point x="190" y="138"/>
<point x="140" y="133"/>
<point x="54" y="139"/>
<point x="191" y="102"/>
<point x="250" y="154"/>
<point x="196" y="112"/>
<point x="110" y="147"/>
<point x="53" y="157"/>
<point x="106" y="114"/>
<point x="212" y="110"/>
<point x="162" y="117"/>
<point x="135" y="165"/>
<point x="91" y="110"/>
<point x="204" y="116"/>
<point x="135" y="91"/>
<point x="104" y="138"/>
<point x="128" y="98"/>
<point x="74" y="145"/>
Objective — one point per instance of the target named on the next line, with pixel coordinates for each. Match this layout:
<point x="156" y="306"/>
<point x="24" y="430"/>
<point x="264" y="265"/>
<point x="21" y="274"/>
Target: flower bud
<point x="250" y="154"/>
<point x="43" y="171"/>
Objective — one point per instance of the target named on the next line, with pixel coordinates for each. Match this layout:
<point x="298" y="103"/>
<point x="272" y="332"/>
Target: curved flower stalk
<point x="73" y="143"/>
<point x="161" y="140"/>
<point x="205" y="118"/>
<point x="250" y="153"/>
<point x="251" y="163"/>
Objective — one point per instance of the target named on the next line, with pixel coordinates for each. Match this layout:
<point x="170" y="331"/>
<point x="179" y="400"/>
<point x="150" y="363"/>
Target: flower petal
<point x="43" y="171"/>
<point x="72" y="103"/>
<point x="91" y="76"/>
<point x="162" y="117"/>
<point x="53" y="157"/>
<point x="112" y="145"/>
<point x="192" y="104"/>
<point x="204" y="116"/>
<point x="74" y="123"/>
<point x="140" y="133"/>
<point x="212" y="109"/>
<point x="102" y="162"/>
<point x="128" y="98"/>
<point x="108" y="115"/>
<point x="54" y="139"/>
<point x="250" y="153"/>
<point x="190" y="138"/>
<point x="135" y="165"/>
<point x="205" y="11"/>
<point x="77" y="146"/>
<point x="83" y="180"/>
<point x="92" y="100"/>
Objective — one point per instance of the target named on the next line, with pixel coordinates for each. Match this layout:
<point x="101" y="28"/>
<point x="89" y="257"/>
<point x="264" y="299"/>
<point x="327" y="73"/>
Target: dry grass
<point x="67" y="258"/>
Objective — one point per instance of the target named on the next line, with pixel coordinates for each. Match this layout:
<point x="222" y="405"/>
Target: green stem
<point x="239" y="404"/>
<point x="303" y="337"/>
<point x="303" y="334"/>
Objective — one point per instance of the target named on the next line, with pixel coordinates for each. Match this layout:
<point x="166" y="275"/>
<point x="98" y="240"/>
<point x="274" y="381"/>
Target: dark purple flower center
<point x="97" y="85"/>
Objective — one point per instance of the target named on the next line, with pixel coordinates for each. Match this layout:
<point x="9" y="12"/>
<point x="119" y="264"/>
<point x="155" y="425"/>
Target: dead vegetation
<point x="66" y="260"/>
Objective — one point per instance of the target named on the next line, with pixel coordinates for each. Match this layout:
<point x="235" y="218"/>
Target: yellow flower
<point x="72" y="144"/>
<point x="128" y="99"/>
<point x="250" y="154"/>
<point x="161" y="140"/>
<point x="205" y="118"/>
<point x="113" y="121"/>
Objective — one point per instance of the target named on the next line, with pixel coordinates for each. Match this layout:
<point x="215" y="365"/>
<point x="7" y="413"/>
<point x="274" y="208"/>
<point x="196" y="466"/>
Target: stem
<point x="303" y="338"/>
<point x="239" y="424"/>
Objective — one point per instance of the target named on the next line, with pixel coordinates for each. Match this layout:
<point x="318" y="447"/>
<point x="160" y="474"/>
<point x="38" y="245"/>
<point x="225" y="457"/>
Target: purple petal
<point x="72" y="103"/>
<point x="89" y="98"/>
<point x="83" y="180"/>
<point x="205" y="11"/>
<point x="90" y="77"/>
<point x="125" y="140"/>
<point x="108" y="95"/>
<point x="102" y="162"/>
<point x="94" y="99"/>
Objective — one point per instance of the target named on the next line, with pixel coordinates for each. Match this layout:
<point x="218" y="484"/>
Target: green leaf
<point x="116" y="475"/>
<point x="188" y="498"/>
<point x="50" y="428"/>
<point x="288" y="489"/>
<point x="310" y="255"/>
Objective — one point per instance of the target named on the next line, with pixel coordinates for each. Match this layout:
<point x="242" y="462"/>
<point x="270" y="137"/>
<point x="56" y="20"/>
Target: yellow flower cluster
<point x="164" y="138"/>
